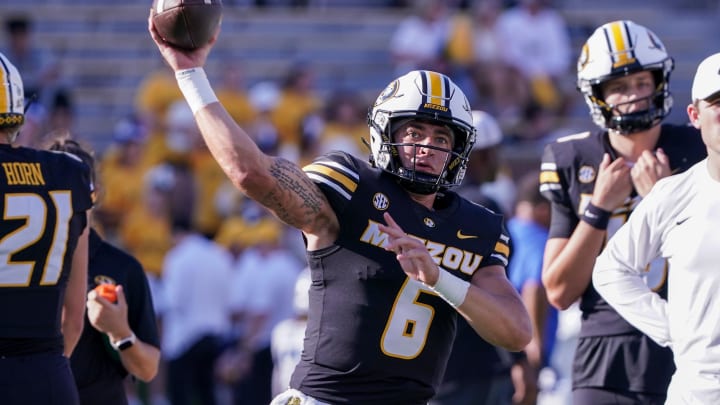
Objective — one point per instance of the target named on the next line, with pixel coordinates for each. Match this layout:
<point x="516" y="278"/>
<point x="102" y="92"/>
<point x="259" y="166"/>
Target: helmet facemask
<point x="611" y="115"/>
<point x="619" y="49"/>
<point x="411" y="98"/>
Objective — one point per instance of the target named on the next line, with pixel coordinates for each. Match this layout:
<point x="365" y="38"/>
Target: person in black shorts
<point x="44" y="203"/>
<point x="121" y="337"/>
<point x="594" y="180"/>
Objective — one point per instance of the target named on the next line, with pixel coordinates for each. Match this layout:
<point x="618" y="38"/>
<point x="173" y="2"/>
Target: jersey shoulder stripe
<point x="581" y="135"/>
<point x="334" y="173"/>
<point x="501" y="251"/>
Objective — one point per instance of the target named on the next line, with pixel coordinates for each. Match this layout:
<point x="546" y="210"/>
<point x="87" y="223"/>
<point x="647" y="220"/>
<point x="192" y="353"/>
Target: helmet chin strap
<point x="632" y="123"/>
<point x="629" y="123"/>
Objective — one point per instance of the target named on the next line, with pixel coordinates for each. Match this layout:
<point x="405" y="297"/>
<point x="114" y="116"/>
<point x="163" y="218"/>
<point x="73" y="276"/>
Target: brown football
<point x="186" y="24"/>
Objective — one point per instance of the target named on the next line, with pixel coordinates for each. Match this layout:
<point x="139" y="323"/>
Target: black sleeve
<point x="141" y="314"/>
<point x="337" y="175"/>
<point x="554" y="186"/>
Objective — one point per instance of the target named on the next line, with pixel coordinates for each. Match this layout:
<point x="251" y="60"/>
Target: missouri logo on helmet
<point x="12" y="99"/>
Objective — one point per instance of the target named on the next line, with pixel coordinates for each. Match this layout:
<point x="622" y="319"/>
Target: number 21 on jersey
<point x="33" y="209"/>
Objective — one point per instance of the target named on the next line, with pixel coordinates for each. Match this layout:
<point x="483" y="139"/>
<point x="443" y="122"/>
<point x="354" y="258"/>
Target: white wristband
<point x="196" y="88"/>
<point x="450" y="288"/>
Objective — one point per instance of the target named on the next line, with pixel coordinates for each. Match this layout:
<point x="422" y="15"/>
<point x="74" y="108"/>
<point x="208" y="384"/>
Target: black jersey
<point x="44" y="203"/>
<point x="568" y="172"/>
<point x="95" y="364"/>
<point x="569" y="168"/>
<point x="373" y="334"/>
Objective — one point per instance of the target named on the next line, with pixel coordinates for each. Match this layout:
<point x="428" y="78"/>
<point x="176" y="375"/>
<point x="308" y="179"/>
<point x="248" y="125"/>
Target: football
<point x="186" y="24"/>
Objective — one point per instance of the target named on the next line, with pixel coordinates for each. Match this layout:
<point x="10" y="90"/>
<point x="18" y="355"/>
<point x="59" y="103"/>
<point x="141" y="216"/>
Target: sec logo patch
<point x="586" y="174"/>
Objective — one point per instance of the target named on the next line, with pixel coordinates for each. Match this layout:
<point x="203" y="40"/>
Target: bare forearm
<point x="536" y="302"/>
<point x="73" y="311"/>
<point x="71" y="330"/>
<point x="500" y="318"/>
<point x="569" y="264"/>
<point x="233" y="149"/>
<point x="141" y="360"/>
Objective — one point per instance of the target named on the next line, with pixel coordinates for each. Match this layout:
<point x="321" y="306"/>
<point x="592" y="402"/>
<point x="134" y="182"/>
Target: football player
<point x="394" y="255"/>
<point x="44" y="255"/>
<point x="594" y="181"/>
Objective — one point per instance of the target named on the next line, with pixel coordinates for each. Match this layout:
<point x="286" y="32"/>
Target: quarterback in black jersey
<point x="44" y="254"/>
<point x="394" y="255"/>
<point x="594" y="180"/>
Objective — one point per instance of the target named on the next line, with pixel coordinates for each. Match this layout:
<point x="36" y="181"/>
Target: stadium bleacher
<point x="105" y="49"/>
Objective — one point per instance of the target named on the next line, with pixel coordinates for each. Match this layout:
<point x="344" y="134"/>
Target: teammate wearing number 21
<point x="394" y="254"/>
<point x="43" y="259"/>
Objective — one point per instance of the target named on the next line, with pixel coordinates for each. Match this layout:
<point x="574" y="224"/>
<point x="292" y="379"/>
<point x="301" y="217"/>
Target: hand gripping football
<point x="186" y="24"/>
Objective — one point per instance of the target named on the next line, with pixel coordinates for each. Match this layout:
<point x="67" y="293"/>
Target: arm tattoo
<point x="296" y="200"/>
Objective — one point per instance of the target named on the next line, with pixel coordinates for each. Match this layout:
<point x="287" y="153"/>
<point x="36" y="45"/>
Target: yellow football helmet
<point x="616" y="49"/>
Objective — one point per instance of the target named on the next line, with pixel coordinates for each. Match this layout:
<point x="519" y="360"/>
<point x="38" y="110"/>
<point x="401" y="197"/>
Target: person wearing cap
<point x="594" y="181"/>
<point x="678" y="221"/>
<point x="44" y="199"/>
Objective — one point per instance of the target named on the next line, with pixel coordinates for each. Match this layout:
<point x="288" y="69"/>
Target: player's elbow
<point x="147" y="369"/>
<point x="521" y="341"/>
<point x="557" y="294"/>
<point x="72" y="326"/>
<point x="250" y="180"/>
<point x="559" y="299"/>
<point x="520" y="336"/>
<point x="147" y="374"/>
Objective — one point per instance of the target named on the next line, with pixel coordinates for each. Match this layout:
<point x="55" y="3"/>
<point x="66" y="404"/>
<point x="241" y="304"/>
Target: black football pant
<point x="37" y="379"/>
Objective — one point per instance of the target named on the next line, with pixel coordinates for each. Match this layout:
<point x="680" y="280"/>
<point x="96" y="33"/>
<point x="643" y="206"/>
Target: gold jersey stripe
<point x="502" y="249"/>
<point x="549" y="177"/>
<point x="339" y="177"/>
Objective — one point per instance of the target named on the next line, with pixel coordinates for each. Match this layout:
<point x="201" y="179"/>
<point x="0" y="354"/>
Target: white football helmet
<point x="12" y="99"/>
<point x="617" y="49"/>
<point x="487" y="130"/>
<point x="422" y="95"/>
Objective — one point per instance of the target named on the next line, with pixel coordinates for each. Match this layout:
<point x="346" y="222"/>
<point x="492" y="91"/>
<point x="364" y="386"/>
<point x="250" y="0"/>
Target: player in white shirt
<point x="677" y="220"/>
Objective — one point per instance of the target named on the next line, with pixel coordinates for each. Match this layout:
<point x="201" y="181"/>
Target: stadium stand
<point x="105" y="49"/>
